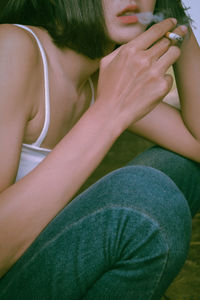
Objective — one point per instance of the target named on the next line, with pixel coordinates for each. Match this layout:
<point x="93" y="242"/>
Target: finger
<point x="169" y="79"/>
<point x="166" y="84"/>
<point x="153" y="34"/>
<point x="161" y="47"/>
<point x="181" y="32"/>
<point x="168" y="59"/>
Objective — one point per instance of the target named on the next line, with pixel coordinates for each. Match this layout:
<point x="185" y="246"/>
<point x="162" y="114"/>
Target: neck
<point x="78" y="67"/>
<point x="74" y="67"/>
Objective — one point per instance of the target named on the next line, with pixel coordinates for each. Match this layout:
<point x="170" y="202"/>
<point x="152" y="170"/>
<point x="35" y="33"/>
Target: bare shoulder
<point x="20" y="61"/>
<point x="17" y="45"/>
<point x="14" y="35"/>
<point x="20" y="66"/>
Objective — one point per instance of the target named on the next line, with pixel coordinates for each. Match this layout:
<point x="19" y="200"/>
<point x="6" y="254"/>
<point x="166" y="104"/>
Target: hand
<point x="133" y="78"/>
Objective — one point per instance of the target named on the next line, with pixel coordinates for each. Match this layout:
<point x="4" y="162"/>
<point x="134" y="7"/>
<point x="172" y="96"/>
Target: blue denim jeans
<point x="125" y="237"/>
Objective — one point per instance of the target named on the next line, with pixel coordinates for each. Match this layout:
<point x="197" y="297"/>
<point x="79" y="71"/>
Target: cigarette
<point x="174" y="37"/>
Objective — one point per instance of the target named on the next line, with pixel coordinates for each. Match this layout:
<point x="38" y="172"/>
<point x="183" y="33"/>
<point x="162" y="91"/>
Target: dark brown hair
<point x="173" y="8"/>
<point x="77" y="24"/>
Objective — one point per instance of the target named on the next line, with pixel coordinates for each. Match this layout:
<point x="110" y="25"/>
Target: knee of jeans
<point x="151" y="192"/>
<point x="154" y="194"/>
<point x="184" y="172"/>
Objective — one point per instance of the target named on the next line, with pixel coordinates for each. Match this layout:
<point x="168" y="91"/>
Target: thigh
<point x="129" y="224"/>
<point x="182" y="171"/>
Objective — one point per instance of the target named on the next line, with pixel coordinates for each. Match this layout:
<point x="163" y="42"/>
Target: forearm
<point x="122" y="100"/>
<point x="30" y="204"/>
<point x="187" y="73"/>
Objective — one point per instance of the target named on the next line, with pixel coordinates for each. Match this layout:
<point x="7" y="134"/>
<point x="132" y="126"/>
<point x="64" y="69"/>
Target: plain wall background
<point x="194" y="12"/>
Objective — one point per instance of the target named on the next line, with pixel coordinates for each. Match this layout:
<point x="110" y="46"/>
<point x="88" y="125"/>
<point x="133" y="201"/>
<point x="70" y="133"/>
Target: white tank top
<point x="33" y="154"/>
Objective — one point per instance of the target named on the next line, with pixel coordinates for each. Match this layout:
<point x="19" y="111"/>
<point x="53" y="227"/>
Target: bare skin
<point x="53" y="183"/>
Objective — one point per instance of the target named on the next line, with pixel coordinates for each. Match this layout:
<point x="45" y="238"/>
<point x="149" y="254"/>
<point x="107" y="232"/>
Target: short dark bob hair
<point x="77" y="24"/>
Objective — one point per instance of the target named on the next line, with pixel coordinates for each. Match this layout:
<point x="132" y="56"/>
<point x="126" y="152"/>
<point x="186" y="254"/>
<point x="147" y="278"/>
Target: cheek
<point x="153" y="5"/>
<point x="122" y="36"/>
<point x="107" y="9"/>
<point x="147" y="5"/>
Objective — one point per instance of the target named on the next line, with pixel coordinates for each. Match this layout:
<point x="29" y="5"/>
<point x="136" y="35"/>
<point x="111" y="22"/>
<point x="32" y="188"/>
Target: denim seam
<point x="163" y="268"/>
<point x="109" y="207"/>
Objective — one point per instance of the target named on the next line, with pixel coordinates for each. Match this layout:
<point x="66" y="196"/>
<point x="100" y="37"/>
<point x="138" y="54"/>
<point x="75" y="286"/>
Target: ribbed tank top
<point x="33" y="154"/>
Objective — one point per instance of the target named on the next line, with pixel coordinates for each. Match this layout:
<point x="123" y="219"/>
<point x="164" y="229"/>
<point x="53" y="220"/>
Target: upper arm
<point x="165" y="127"/>
<point x="187" y="74"/>
<point x="17" y="59"/>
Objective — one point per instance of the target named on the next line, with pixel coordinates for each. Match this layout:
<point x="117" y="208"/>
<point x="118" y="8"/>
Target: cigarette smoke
<point x="148" y="17"/>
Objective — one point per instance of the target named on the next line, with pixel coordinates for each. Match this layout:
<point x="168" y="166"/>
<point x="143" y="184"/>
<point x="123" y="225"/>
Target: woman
<point x="128" y="234"/>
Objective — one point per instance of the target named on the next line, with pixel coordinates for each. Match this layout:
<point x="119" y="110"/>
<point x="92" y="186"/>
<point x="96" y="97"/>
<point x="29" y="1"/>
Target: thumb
<point x="169" y="80"/>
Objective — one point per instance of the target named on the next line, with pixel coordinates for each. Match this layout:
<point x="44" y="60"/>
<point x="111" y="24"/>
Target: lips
<point x="128" y="15"/>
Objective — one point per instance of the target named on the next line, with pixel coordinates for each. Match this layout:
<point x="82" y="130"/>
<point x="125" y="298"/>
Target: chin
<point x="125" y="36"/>
<point x="125" y="39"/>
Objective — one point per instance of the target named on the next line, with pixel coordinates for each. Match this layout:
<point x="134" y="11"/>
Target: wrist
<point x="105" y="115"/>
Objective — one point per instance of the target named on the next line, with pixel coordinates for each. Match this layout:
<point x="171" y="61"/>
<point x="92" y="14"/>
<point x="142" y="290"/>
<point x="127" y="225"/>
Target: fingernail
<point x="174" y="20"/>
<point x="184" y="28"/>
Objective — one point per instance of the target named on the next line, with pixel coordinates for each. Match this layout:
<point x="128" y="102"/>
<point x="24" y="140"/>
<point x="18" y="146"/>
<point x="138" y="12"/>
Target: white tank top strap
<point x="92" y="91"/>
<point x="44" y="131"/>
